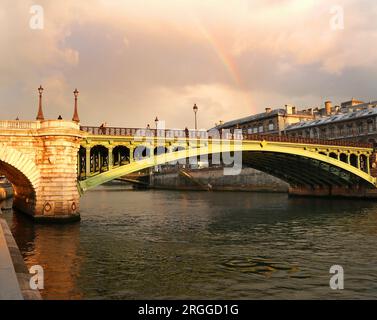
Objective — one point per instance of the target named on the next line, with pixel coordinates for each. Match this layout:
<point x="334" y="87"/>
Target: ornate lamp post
<point x="76" y="114"/>
<point x="195" y="109"/>
<point x="40" y="111"/>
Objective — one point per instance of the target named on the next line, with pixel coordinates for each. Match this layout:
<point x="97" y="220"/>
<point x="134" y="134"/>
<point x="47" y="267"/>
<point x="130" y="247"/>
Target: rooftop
<point x="335" y="118"/>
<point x="307" y="113"/>
<point x="251" y="118"/>
<point x="259" y="116"/>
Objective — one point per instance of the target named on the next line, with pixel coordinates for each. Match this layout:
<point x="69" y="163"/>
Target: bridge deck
<point x="201" y="134"/>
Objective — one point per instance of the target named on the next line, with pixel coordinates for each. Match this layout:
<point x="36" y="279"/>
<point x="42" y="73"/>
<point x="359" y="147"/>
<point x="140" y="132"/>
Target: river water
<point x="204" y="245"/>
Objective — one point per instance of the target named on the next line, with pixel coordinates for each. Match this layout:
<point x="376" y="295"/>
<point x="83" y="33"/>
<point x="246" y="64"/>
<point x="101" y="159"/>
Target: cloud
<point x="133" y="60"/>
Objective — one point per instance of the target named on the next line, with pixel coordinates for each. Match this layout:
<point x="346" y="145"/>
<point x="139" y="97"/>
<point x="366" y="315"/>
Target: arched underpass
<point x="24" y="175"/>
<point x="301" y="171"/>
<point x="24" y="192"/>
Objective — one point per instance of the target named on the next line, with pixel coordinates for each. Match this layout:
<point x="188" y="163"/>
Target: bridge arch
<point x="121" y="155"/>
<point x="333" y="155"/>
<point x="99" y="158"/>
<point x="160" y="150"/>
<point x="353" y="160"/>
<point x="142" y="152"/>
<point x="363" y="159"/>
<point x="343" y="157"/>
<point x="82" y="161"/>
<point x="22" y="173"/>
<point x="325" y="170"/>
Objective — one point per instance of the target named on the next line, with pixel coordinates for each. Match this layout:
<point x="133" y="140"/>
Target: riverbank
<point x="14" y="275"/>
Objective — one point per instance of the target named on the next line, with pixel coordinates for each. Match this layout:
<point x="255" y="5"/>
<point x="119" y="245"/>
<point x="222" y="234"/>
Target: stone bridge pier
<point x="39" y="158"/>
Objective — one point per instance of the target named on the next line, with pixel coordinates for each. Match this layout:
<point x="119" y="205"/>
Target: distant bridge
<point x="52" y="162"/>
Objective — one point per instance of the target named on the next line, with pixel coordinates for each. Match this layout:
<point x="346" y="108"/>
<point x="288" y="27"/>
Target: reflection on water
<point x="258" y="266"/>
<point x="52" y="247"/>
<point x="230" y="245"/>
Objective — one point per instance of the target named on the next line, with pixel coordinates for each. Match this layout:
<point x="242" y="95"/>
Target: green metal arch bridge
<point x="110" y="153"/>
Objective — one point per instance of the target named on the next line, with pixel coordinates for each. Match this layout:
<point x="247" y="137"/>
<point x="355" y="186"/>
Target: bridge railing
<point x="201" y="134"/>
<point x="335" y="142"/>
<point x="144" y="132"/>
<point x="19" y="124"/>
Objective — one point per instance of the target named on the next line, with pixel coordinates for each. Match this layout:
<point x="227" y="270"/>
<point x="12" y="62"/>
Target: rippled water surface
<point x="229" y="245"/>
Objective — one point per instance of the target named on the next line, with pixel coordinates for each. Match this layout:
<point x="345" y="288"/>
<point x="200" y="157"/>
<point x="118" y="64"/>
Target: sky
<point x="135" y="60"/>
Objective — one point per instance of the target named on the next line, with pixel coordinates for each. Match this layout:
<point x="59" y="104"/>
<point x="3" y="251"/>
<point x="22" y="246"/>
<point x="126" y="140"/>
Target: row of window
<point x="352" y="129"/>
<point x="258" y="128"/>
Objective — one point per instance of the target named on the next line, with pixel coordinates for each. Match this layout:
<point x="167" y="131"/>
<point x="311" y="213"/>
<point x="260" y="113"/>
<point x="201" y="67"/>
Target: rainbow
<point x="223" y="55"/>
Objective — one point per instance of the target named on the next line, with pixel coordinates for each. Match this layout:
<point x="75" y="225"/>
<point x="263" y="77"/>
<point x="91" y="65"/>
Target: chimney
<point x="288" y="109"/>
<point x="328" y="107"/>
<point x="268" y="110"/>
<point x="294" y="110"/>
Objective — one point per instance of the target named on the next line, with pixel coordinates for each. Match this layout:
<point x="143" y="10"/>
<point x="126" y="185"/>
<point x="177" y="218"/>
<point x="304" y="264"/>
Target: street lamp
<point x="40" y="90"/>
<point x="40" y="111"/>
<point x="75" y="117"/>
<point x="195" y="108"/>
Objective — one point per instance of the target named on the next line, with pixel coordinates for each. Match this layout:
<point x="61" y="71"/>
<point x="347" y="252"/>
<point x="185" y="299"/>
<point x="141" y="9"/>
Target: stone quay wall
<point x="14" y="275"/>
<point x="249" y="180"/>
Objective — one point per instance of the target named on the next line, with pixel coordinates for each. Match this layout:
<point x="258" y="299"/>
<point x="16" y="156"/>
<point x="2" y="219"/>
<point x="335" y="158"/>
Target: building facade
<point x="269" y="122"/>
<point x="352" y="122"/>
